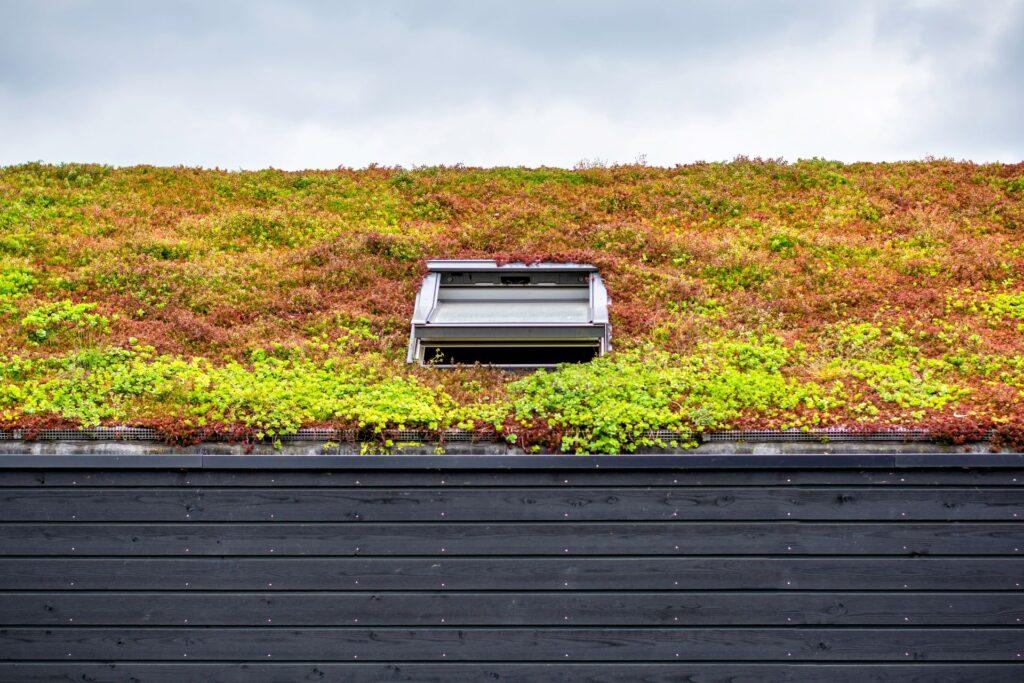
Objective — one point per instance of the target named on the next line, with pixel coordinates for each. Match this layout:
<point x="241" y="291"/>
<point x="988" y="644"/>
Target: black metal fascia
<point x="197" y="461"/>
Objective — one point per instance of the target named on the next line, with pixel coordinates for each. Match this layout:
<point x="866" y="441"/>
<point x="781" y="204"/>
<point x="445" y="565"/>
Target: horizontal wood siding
<point x="659" y="575"/>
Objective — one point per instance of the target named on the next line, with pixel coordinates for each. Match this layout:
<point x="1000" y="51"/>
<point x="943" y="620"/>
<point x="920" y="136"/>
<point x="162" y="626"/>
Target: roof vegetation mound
<point x="750" y="294"/>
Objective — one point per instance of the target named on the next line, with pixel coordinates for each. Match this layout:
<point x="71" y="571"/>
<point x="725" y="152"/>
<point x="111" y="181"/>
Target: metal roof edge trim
<point x="515" y="462"/>
<point x="827" y="435"/>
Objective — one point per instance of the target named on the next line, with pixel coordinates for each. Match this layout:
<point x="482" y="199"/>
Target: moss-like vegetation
<point x="746" y="294"/>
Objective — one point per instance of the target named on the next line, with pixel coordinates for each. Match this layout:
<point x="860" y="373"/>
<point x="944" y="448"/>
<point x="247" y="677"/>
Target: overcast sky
<point x="291" y="85"/>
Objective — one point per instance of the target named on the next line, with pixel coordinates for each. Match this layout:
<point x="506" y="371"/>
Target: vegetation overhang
<point x="750" y="294"/>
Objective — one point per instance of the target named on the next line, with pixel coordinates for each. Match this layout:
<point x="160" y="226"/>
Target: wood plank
<point x="369" y="538"/>
<point x="625" y="573"/>
<point x="559" y="672"/>
<point x="455" y="478"/>
<point x="512" y="609"/>
<point x="526" y="644"/>
<point x="513" y="504"/>
<point x="543" y="538"/>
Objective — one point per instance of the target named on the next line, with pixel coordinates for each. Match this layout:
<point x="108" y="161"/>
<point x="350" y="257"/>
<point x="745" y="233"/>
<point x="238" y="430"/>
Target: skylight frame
<point x="546" y="280"/>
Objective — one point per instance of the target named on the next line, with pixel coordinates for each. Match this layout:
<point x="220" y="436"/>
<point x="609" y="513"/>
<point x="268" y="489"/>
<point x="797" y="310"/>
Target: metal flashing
<point x="809" y="461"/>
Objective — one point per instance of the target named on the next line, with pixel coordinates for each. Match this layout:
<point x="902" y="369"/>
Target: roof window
<point x="511" y="316"/>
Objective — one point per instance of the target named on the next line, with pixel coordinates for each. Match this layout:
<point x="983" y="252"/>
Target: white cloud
<point x="296" y="86"/>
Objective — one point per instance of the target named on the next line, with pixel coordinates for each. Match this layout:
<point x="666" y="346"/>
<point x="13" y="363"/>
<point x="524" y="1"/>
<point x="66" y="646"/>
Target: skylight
<point x="513" y="316"/>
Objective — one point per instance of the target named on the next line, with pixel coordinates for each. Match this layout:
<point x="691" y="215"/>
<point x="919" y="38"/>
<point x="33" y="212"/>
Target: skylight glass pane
<point x="516" y="356"/>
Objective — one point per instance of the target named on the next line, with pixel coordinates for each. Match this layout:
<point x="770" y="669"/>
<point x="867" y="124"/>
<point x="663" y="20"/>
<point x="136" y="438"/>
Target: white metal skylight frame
<point x="513" y="316"/>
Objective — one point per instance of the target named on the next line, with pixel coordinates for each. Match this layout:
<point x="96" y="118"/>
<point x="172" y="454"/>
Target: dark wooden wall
<point x="743" y="575"/>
